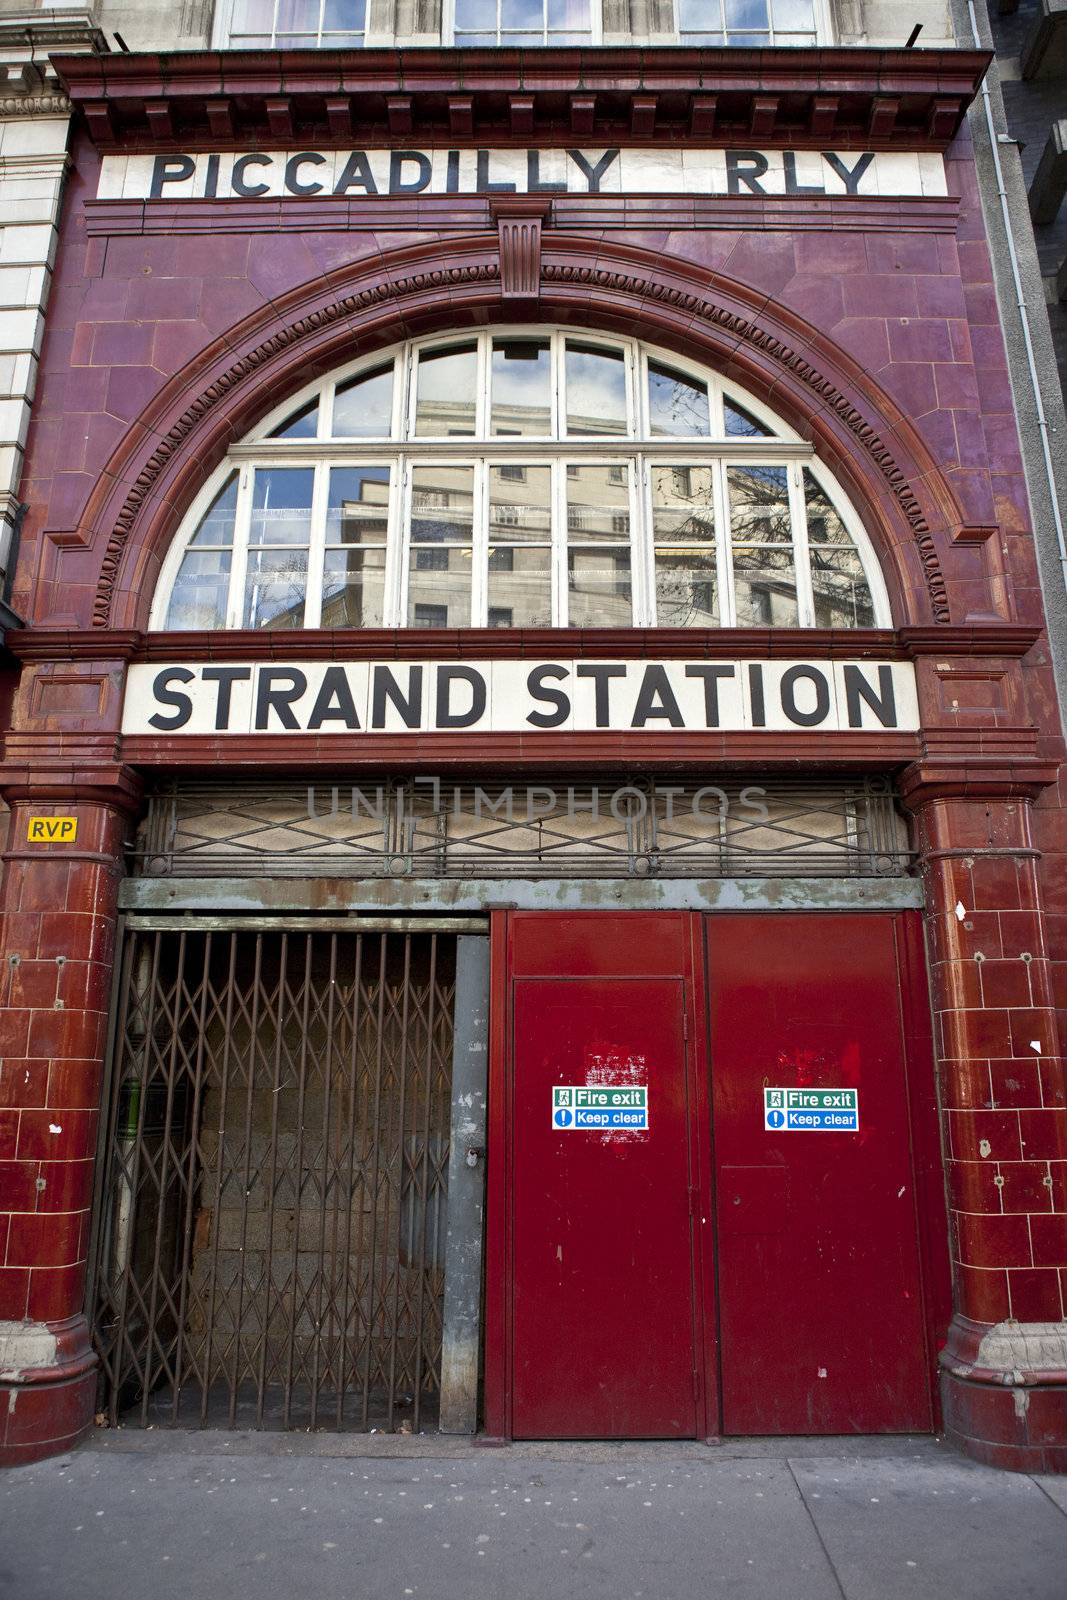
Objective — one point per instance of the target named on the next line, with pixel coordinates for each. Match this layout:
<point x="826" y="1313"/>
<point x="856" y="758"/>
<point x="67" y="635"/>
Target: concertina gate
<point x="273" y="1190"/>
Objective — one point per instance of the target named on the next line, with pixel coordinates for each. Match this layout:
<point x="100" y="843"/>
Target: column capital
<point x="68" y="770"/>
<point x="974" y="778"/>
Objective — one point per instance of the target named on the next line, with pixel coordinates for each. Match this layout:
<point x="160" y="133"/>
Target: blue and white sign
<point x="601" y="1108"/>
<point x="811" y="1110"/>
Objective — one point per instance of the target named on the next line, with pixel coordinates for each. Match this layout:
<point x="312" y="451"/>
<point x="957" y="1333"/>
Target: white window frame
<point x="596" y="36"/>
<point x="635" y="450"/>
<point x="824" y="29"/>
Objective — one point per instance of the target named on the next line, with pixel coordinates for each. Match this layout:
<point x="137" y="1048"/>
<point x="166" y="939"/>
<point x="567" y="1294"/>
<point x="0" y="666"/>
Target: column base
<point x="47" y="1388"/>
<point x="1004" y="1393"/>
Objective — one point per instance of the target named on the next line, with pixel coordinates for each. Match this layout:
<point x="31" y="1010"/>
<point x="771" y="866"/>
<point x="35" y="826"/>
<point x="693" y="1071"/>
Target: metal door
<point x="604" y="1333"/>
<point x="271" y="1229"/>
<point x="820" y="1292"/>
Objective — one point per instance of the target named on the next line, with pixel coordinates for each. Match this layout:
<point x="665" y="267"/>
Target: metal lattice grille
<point x="426" y="828"/>
<point x="271" y="1248"/>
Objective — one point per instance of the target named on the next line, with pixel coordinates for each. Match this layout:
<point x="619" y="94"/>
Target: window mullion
<point x="480" y="546"/>
<point x="316" y="547"/>
<point x="397" y="555"/>
<point x="643" y="545"/>
<point x="801" y="554"/>
<point x="723" y="546"/>
<point x="559" y="379"/>
<point x="242" y="517"/>
<point x="559" y="544"/>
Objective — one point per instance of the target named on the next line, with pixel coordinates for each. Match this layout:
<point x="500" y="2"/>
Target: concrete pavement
<point x="177" y="1516"/>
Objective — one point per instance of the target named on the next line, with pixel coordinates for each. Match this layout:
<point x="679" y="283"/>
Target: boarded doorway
<point x="271" y="1221"/>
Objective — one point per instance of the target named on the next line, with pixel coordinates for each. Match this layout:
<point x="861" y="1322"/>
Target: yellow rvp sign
<point x="52" y="830"/>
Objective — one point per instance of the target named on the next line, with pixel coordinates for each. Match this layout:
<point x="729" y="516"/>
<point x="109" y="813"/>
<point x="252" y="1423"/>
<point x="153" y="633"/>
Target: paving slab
<point x="1056" y="1489"/>
<point x="175" y="1527"/>
<point x="935" y="1526"/>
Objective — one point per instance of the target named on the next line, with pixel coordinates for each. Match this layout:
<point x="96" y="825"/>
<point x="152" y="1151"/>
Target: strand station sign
<point x="526" y="696"/>
<point x="355" y="174"/>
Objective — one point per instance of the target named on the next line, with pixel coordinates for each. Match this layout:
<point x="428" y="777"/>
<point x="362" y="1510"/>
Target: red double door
<point x="665" y="1262"/>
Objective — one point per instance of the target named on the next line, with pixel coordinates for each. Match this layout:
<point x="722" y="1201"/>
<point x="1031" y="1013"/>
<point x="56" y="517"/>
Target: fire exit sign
<point x="600" y="1108"/>
<point x="811" y="1110"/>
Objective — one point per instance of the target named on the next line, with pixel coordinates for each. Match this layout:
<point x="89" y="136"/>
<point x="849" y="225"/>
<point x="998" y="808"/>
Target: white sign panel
<point x="360" y="697"/>
<point x="315" y="174"/>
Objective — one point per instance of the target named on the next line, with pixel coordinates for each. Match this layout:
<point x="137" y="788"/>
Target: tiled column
<point x="57" y="941"/>
<point x="1004" y="1381"/>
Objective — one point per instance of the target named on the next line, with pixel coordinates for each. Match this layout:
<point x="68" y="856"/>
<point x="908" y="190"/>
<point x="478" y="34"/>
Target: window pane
<point x="765" y="589"/>
<point x="216" y="525"/>
<point x="446" y="391"/>
<point x="759" y="505"/>
<point x="520" y="587"/>
<point x="343" y="16"/>
<point x="252" y="16"/>
<point x="363" y="407"/>
<point x="747" y="14"/>
<point x="442" y="505"/>
<point x="281" y="505"/>
<point x="599" y="587"/>
<point x="676" y="404"/>
<point x="569" y="16"/>
<point x="596" y="390"/>
<point x="520" y="509"/>
<point x="842" y="594"/>
<point x="198" y="599"/>
<point x="522" y="378"/>
<point x="687" y="591"/>
<point x="440" y="597"/>
<point x="524" y="15"/>
<point x="358" y="508"/>
<point x="699" y="16"/>
<point x="275" y="584"/>
<point x="741" y="424"/>
<point x="824" y="524"/>
<point x="598" y="504"/>
<point x="475" y="15"/>
<point x="793" y="16"/>
<point x="303" y="425"/>
<point x="353" y="589"/>
<point x="682" y="507"/>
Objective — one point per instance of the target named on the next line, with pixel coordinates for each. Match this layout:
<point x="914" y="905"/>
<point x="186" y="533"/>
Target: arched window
<point x="525" y="479"/>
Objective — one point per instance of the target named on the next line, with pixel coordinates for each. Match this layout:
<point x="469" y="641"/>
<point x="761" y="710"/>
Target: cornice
<point x="869" y="98"/>
<point x="29" y="86"/>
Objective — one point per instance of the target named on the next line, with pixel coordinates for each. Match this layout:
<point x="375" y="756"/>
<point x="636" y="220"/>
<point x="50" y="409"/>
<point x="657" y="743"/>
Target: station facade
<point x="534" y="890"/>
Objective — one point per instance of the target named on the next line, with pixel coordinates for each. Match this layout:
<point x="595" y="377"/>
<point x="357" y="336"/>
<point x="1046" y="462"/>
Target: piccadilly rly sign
<point x="520" y="696"/>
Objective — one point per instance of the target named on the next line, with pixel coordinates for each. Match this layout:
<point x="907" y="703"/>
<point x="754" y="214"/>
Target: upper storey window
<point x="523" y="22"/>
<point x="527" y="479"/>
<point x="297" y="24"/>
<point x="747" y="22"/>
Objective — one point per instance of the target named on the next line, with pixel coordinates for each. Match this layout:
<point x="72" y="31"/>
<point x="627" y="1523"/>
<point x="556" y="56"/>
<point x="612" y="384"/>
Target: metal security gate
<point x="271" y="1215"/>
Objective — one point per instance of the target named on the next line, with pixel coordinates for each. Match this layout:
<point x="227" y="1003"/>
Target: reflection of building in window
<point x="431" y="560"/>
<point x="500" y="617"/>
<point x="431" y="616"/>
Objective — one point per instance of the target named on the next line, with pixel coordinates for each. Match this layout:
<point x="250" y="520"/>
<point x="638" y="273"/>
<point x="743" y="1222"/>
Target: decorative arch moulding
<point x="856" y="97"/>
<point x="878" y="454"/>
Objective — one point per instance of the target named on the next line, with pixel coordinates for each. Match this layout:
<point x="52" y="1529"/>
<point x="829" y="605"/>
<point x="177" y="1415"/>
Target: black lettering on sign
<point x="711" y="677"/>
<point x="601" y="676"/>
<point x="542" y="690"/>
<point x="533" y="177"/>
<point x="248" y="191"/>
<point x="398" y="184"/>
<point x="169" y="169"/>
<point x="850" y="176"/>
<point x="276" y="690"/>
<point x="356" y="174"/>
<point x="745" y="167"/>
<point x="596" y="170"/>
<point x="446" y="677"/>
<point x="482" y="182"/>
<point x="858" y="693"/>
<point x="166" y="696"/>
<point x="655" y="700"/>
<point x="385" y="687"/>
<point x="225" y="677"/>
<point x="790" y="679"/>
<point x="211" y="180"/>
<point x="293" y="181"/>
<point x="452" y="173"/>
<point x="792" y="186"/>
<point x="334" y="702"/>
<point x="755" y="695"/>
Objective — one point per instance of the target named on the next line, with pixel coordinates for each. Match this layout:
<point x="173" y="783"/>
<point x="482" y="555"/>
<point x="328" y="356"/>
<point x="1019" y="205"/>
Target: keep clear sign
<point x="600" y="1109"/>
<point x="811" y="1110"/>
